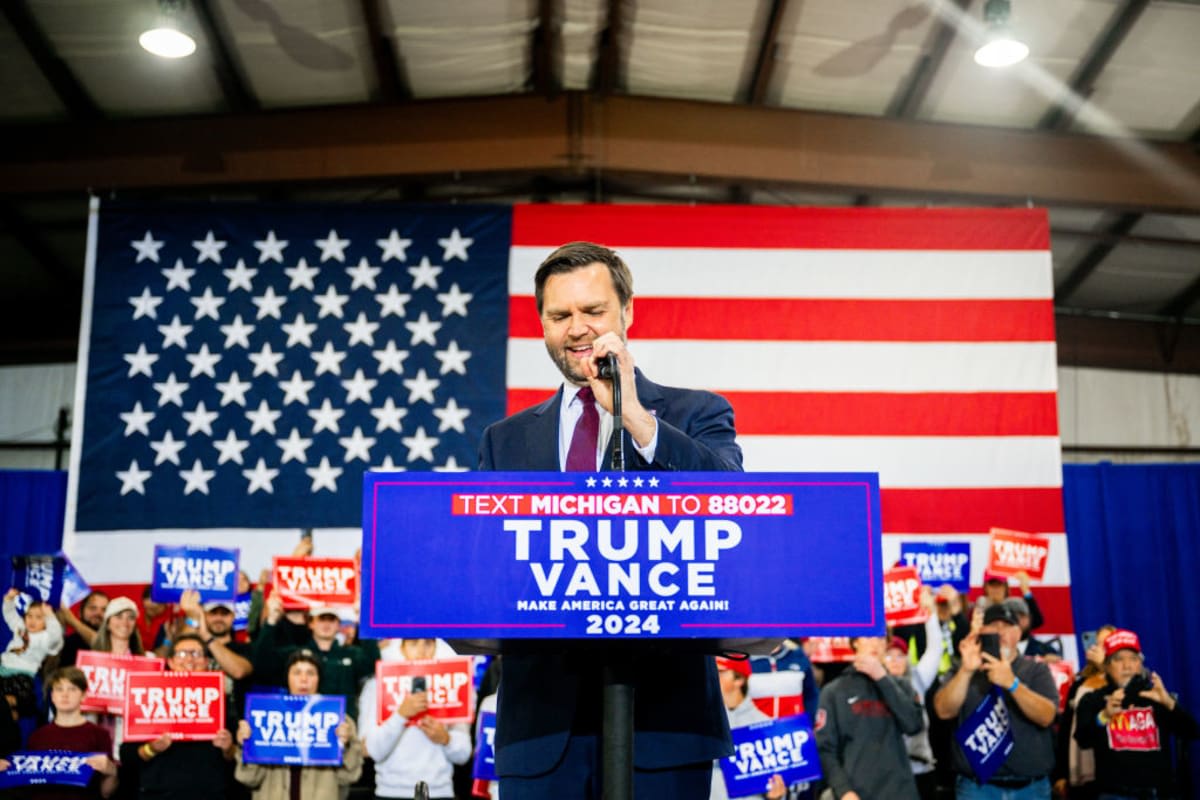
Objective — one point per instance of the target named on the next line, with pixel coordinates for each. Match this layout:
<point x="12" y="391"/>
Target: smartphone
<point x="990" y="642"/>
<point x="1089" y="639"/>
<point x="418" y="684"/>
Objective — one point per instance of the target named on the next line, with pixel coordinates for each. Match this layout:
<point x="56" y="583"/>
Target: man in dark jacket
<point x="861" y="723"/>
<point x="1126" y="724"/>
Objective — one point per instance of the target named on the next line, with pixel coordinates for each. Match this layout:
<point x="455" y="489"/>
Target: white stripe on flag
<point x="866" y="274"/>
<point x="915" y="462"/>
<point x="769" y="366"/>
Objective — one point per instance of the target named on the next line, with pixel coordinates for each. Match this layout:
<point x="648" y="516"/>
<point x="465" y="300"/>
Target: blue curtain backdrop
<point x="1134" y="533"/>
<point x="32" y="506"/>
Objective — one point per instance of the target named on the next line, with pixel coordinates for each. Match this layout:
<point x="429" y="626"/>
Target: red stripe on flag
<point x="971" y="510"/>
<point x="769" y="227"/>
<point x="867" y="414"/>
<point x="756" y="319"/>
<point x="1055" y="603"/>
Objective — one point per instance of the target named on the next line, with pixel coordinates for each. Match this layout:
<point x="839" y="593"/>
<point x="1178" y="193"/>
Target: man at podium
<point x="549" y="711"/>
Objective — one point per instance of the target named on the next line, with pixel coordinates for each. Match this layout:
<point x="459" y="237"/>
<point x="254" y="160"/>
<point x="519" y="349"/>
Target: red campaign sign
<point x="451" y="694"/>
<point x="1063" y="674"/>
<point x="305" y="583"/>
<point x="187" y="705"/>
<point x="830" y="649"/>
<point x="1133" y="729"/>
<point x="1010" y="552"/>
<point x="106" y="678"/>
<point x="902" y="597"/>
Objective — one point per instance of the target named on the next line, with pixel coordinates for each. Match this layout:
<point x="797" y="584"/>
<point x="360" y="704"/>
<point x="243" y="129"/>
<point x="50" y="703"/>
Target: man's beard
<point x="569" y="366"/>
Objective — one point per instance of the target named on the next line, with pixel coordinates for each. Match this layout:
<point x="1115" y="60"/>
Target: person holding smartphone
<point x="990" y="657"/>
<point x="1127" y="723"/>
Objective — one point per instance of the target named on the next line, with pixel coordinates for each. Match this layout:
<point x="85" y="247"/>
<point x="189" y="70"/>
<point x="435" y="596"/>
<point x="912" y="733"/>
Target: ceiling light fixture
<point x="1000" y="48"/>
<point x="167" y="39"/>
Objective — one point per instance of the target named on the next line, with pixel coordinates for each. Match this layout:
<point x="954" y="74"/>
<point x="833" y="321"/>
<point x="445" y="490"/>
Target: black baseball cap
<point x="1000" y="612"/>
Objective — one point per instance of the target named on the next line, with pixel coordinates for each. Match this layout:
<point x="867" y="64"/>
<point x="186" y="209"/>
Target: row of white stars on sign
<point x="607" y="482"/>
<point x="332" y="247"/>
<point x="270" y="304"/>
<point x="324" y="476"/>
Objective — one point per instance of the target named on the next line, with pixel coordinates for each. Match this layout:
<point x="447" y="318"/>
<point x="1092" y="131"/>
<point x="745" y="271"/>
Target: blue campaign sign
<point x="41" y="577"/>
<point x="241" y="611"/>
<point x="38" y="767"/>
<point x="293" y="729"/>
<point x="212" y="571"/>
<point x="634" y="555"/>
<point x="938" y="563"/>
<point x="485" y="747"/>
<point x="986" y="736"/>
<point x="784" y="746"/>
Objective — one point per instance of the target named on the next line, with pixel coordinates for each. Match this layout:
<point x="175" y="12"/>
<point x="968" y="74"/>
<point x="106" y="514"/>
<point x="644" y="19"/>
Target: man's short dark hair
<point x="91" y="596"/>
<point x="185" y="637"/>
<point x="577" y="255"/>
<point x="73" y="675"/>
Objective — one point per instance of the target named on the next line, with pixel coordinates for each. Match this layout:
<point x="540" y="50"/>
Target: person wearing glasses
<point x="164" y="769"/>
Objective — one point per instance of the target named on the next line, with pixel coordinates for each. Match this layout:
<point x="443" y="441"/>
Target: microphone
<point x="607" y="367"/>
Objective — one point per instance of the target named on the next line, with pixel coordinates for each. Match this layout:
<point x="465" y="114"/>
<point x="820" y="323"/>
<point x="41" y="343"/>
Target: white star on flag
<point x="362" y="331"/>
<point x="451" y="417"/>
<point x="175" y="334"/>
<point x="324" y="476"/>
<point x="454" y="301"/>
<point x="134" y="478"/>
<point x="421" y="388"/>
<point x="179" y="276"/>
<point x="208" y="249"/>
<point x="233" y="390"/>
<point x="451" y="465"/>
<point x="196" y="478"/>
<point x="423" y="330"/>
<point x="145" y="305"/>
<point x="393" y="247"/>
<point x="455" y="246"/>
<point x="328" y="360"/>
<point x="137" y="420"/>
<point x="331" y="303"/>
<point x="203" y="362"/>
<point x="237" y="332"/>
<point x="357" y="446"/>
<point x="200" y="419"/>
<point x="140" y="362"/>
<point x="420" y="445"/>
<point x="260" y="478"/>
<point x="302" y="276"/>
<point x="326" y="417"/>
<point x="263" y="418"/>
<point x="452" y="359"/>
<point x="269" y="303"/>
<point x="207" y="305"/>
<point x="390" y="359"/>
<point x="392" y="302"/>
<point x="147" y="248"/>
<point x="296" y="389"/>
<point x="230" y="448"/>
<point x="167" y="449"/>
<point x="299" y="332"/>
<point x="332" y="247"/>
<point x="266" y="361"/>
<point x="240" y="276"/>
<point x="294" y="447"/>
<point x="389" y="466"/>
<point x="363" y="275"/>
<point x="170" y="391"/>
<point x="425" y="274"/>
<point x="359" y="388"/>
<point x="270" y="249"/>
<point x="388" y="418"/>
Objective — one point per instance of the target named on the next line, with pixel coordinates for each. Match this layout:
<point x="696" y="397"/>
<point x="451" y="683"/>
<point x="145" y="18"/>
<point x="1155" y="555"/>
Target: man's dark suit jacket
<point x="549" y="691"/>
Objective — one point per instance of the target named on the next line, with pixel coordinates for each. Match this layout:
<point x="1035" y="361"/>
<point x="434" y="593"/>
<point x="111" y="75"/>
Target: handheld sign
<point x="939" y="563"/>
<point x="1010" y="552"/>
<point x="448" y="687"/>
<point x="211" y="571"/>
<point x="986" y="735"/>
<point x="305" y="583"/>
<point x="485" y="748"/>
<point x="106" y="674"/>
<point x="51" y="579"/>
<point x="902" y="597"/>
<point x="187" y="705"/>
<point x="241" y="611"/>
<point x="40" y="767"/>
<point x="1134" y="729"/>
<point x="621" y="556"/>
<point x="830" y="649"/>
<point x="784" y="746"/>
<point x="292" y="729"/>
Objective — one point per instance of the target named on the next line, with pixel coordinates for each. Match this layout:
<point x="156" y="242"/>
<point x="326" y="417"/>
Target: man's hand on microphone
<point x="636" y="419"/>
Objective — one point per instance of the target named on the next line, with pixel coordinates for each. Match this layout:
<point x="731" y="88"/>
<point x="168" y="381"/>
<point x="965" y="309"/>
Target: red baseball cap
<point x="740" y="665"/>
<point x="989" y="576"/>
<point x="1121" y="640"/>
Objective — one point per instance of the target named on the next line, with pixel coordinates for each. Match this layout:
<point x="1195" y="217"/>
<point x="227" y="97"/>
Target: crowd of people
<point x="884" y="722"/>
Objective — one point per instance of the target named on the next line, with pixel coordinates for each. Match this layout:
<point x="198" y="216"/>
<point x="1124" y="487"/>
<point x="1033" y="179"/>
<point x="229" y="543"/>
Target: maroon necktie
<point x="581" y="456"/>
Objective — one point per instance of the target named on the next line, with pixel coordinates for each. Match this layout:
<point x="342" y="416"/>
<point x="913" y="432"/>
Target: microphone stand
<point x="616" y="743"/>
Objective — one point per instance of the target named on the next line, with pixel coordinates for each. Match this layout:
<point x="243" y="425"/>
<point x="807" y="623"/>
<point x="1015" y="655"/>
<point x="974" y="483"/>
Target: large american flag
<point x="918" y="343"/>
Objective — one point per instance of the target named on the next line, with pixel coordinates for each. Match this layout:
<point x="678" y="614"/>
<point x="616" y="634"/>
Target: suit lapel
<point x="542" y="435"/>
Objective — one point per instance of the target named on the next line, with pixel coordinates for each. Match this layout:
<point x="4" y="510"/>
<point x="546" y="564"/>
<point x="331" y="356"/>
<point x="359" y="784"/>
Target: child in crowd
<point x="71" y="731"/>
<point x="38" y="635"/>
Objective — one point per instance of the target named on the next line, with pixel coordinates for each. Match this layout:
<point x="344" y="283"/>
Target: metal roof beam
<point x="391" y="85"/>
<point x="606" y="75"/>
<point x="66" y="86"/>
<point x="238" y="97"/>
<point x="545" y="47"/>
<point x="1095" y="256"/>
<point x="912" y="94"/>
<point x="764" y="64"/>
